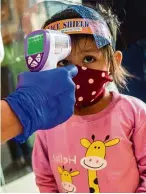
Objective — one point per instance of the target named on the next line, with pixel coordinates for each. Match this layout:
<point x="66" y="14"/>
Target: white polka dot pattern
<point x="103" y="74"/>
<point x="89" y="85"/>
<point x="91" y="81"/>
<point x="80" y="99"/>
<point x="93" y="93"/>
<point x="78" y="87"/>
<point x="84" y="68"/>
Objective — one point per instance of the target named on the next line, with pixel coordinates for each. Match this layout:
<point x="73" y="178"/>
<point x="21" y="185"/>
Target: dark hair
<point x="119" y="73"/>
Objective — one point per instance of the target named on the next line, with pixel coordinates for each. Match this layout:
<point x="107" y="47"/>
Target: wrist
<point x="10" y="124"/>
<point x="24" y="103"/>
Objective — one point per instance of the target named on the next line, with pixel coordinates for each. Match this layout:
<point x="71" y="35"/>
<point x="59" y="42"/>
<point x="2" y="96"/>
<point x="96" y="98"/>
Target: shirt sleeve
<point x="41" y="165"/>
<point x="139" y="141"/>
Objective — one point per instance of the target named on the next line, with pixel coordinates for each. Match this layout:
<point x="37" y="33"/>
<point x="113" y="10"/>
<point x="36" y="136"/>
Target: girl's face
<point x="85" y="53"/>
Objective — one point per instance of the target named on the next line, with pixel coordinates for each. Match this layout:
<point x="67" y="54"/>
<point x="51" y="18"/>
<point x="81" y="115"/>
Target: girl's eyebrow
<point x="90" y="50"/>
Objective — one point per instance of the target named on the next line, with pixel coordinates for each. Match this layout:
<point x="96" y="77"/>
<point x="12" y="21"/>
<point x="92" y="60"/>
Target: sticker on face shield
<point x="68" y="30"/>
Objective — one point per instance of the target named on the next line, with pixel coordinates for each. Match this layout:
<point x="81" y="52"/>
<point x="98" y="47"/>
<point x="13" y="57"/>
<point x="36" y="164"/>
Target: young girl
<point x="102" y="148"/>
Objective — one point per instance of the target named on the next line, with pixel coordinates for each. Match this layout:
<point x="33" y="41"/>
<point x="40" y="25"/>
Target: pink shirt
<point x="104" y="152"/>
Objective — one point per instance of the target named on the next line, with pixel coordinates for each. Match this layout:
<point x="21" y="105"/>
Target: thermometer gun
<point x="45" y="48"/>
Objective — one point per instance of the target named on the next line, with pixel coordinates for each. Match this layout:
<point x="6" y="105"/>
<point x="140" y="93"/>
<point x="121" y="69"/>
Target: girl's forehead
<point x="84" y="44"/>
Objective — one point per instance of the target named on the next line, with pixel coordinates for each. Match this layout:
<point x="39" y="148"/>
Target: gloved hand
<point x="43" y="100"/>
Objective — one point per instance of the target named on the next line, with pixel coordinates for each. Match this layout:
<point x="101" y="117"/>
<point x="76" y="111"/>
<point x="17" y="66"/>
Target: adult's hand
<point x="43" y="100"/>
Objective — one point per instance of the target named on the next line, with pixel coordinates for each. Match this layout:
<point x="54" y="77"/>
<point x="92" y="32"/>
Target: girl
<point x="102" y="148"/>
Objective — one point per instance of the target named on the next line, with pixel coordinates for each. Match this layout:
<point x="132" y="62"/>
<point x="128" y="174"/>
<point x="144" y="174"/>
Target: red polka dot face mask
<point x="90" y="86"/>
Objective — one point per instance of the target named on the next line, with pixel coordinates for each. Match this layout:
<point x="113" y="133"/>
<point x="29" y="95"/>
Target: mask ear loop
<point x="108" y="68"/>
<point x="110" y="74"/>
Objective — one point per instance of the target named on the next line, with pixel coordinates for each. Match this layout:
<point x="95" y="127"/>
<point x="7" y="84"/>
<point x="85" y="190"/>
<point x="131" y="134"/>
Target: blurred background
<point x="20" y="17"/>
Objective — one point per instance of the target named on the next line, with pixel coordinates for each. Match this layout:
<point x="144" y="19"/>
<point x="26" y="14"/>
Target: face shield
<point x="85" y="21"/>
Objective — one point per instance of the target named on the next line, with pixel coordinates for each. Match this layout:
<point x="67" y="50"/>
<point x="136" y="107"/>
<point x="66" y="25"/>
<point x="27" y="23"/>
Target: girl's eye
<point x="89" y="59"/>
<point x="63" y="63"/>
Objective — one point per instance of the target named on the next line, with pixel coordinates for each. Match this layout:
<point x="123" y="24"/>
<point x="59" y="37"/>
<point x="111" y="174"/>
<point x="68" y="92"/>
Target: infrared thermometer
<point x="45" y="48"/>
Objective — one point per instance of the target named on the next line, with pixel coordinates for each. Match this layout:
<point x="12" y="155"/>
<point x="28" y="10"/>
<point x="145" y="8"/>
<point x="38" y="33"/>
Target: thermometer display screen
<point x="35" y="44"/>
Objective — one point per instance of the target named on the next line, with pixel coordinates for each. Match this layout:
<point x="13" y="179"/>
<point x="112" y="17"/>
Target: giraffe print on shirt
<point x="94" y="159"/>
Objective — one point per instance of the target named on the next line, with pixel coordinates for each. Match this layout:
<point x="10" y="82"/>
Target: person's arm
<point x="41" y="166"/>
<point x="42" y="100"/>
<point x="139" y="141"/>
<point x="10" y="124"/>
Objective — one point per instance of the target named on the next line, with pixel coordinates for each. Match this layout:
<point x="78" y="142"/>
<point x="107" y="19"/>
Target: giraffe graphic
<point x="66" y="178"/>
<point x="94" y="159"/>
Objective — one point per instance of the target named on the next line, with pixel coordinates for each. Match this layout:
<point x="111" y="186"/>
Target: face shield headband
<point x="97" y="28"/>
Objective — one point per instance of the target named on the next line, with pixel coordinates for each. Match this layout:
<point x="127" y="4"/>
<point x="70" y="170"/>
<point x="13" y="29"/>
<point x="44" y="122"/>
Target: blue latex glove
<point x="43" y="100"/>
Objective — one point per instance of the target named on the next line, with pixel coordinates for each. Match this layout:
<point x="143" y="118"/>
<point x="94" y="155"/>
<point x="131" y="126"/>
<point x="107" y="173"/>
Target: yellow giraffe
<point x="94" y="159"/>
<point x="66" y="178"/>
